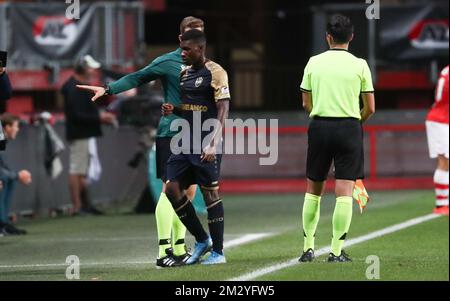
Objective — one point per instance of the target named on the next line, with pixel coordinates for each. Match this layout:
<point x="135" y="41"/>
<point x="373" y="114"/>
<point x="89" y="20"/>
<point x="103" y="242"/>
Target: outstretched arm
<point x="133" y="80"/>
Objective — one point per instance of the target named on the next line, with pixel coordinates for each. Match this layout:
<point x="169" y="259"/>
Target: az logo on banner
<point x="54" y="31"/>
<point x="430" y="34"/>
<point x="46" y="33"/>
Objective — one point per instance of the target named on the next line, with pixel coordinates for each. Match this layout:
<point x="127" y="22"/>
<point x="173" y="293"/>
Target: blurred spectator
<point x="5" y="94"/>
<point x="83" y="124"/>
<point x="9" y="178"/>
<point x="54" y="146"/>
<point x="5" y="89"/>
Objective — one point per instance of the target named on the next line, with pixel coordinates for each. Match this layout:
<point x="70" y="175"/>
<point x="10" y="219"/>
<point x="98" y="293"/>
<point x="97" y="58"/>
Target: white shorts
<point x="437" y="134"/>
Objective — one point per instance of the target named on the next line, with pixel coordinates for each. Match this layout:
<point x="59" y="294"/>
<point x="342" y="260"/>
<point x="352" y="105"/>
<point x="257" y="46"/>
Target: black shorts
<point x="339" y="140"/>
<point x="163" y="153"/>
<point x="189" y="169"/>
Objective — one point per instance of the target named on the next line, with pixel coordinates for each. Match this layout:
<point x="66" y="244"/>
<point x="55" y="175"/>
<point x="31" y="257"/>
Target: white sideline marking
<point x="97" y="239"/>
<point x="245" y="239"/>
<point x="325" y="250"/>
<point x="228" y="244"/>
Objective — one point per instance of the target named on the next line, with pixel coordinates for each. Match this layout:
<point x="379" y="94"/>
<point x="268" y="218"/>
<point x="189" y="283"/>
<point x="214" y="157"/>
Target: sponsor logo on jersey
<point x="191" y="107"/>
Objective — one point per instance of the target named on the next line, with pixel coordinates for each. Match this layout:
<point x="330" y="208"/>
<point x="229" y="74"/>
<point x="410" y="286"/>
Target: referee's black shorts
<point x="163" y="153"/>
<point x="339" y="140"/>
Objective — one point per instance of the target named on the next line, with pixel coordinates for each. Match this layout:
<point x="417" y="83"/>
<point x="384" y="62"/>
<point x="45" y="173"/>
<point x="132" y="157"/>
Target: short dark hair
<point x="191" y="22"/>
<point x="194" y="35"/>
<point x="340" y="28"/>
<point x="8" y="119"/>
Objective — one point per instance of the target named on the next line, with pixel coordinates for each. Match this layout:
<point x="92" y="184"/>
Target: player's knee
<point x="315" y="187"/>
<point x="190" y="192"/>
<point x="344" y="187"/>
<point x="210" y="196"/>
<point x="176" y="196"/>
<point x="442" y="163"/>
<point x="172" y="193"/>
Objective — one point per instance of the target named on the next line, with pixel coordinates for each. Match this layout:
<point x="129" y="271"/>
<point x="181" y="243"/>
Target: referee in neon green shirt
<point x="331" y="87"/>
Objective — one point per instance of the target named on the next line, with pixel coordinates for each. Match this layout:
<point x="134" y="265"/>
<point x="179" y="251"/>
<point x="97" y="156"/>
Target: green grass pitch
<point x="120" y="246"/>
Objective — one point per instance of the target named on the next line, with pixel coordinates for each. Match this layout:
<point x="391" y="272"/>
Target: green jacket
<point x="167" y="68"/>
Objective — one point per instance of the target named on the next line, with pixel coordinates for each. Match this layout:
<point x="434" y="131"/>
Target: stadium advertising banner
<point x="44" y="33"/>
<point x="409" y="33"/>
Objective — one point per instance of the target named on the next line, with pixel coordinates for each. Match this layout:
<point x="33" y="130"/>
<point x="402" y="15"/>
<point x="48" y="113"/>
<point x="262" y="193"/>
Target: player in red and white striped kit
<point x="437" y="134"/>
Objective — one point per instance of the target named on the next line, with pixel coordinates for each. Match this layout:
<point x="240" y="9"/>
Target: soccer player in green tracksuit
<point x="167" y="68"/>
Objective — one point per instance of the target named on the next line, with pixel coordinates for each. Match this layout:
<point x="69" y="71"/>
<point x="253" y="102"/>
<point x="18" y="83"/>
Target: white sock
<point x="441" y="187"/>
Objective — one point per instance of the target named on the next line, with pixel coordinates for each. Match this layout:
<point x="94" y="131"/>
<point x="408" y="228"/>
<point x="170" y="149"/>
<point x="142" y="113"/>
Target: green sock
<point x="164" y="214"/>
<point x="342" y="218"/>
<point x="179" y="233"/>
<point x="310" y="217"/>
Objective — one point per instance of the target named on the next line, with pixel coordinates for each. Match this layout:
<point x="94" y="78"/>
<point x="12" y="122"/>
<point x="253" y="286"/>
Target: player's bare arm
<point x="307" y="102"/>
<point x="368" y="106"/>
<point x="209" y="152"/>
